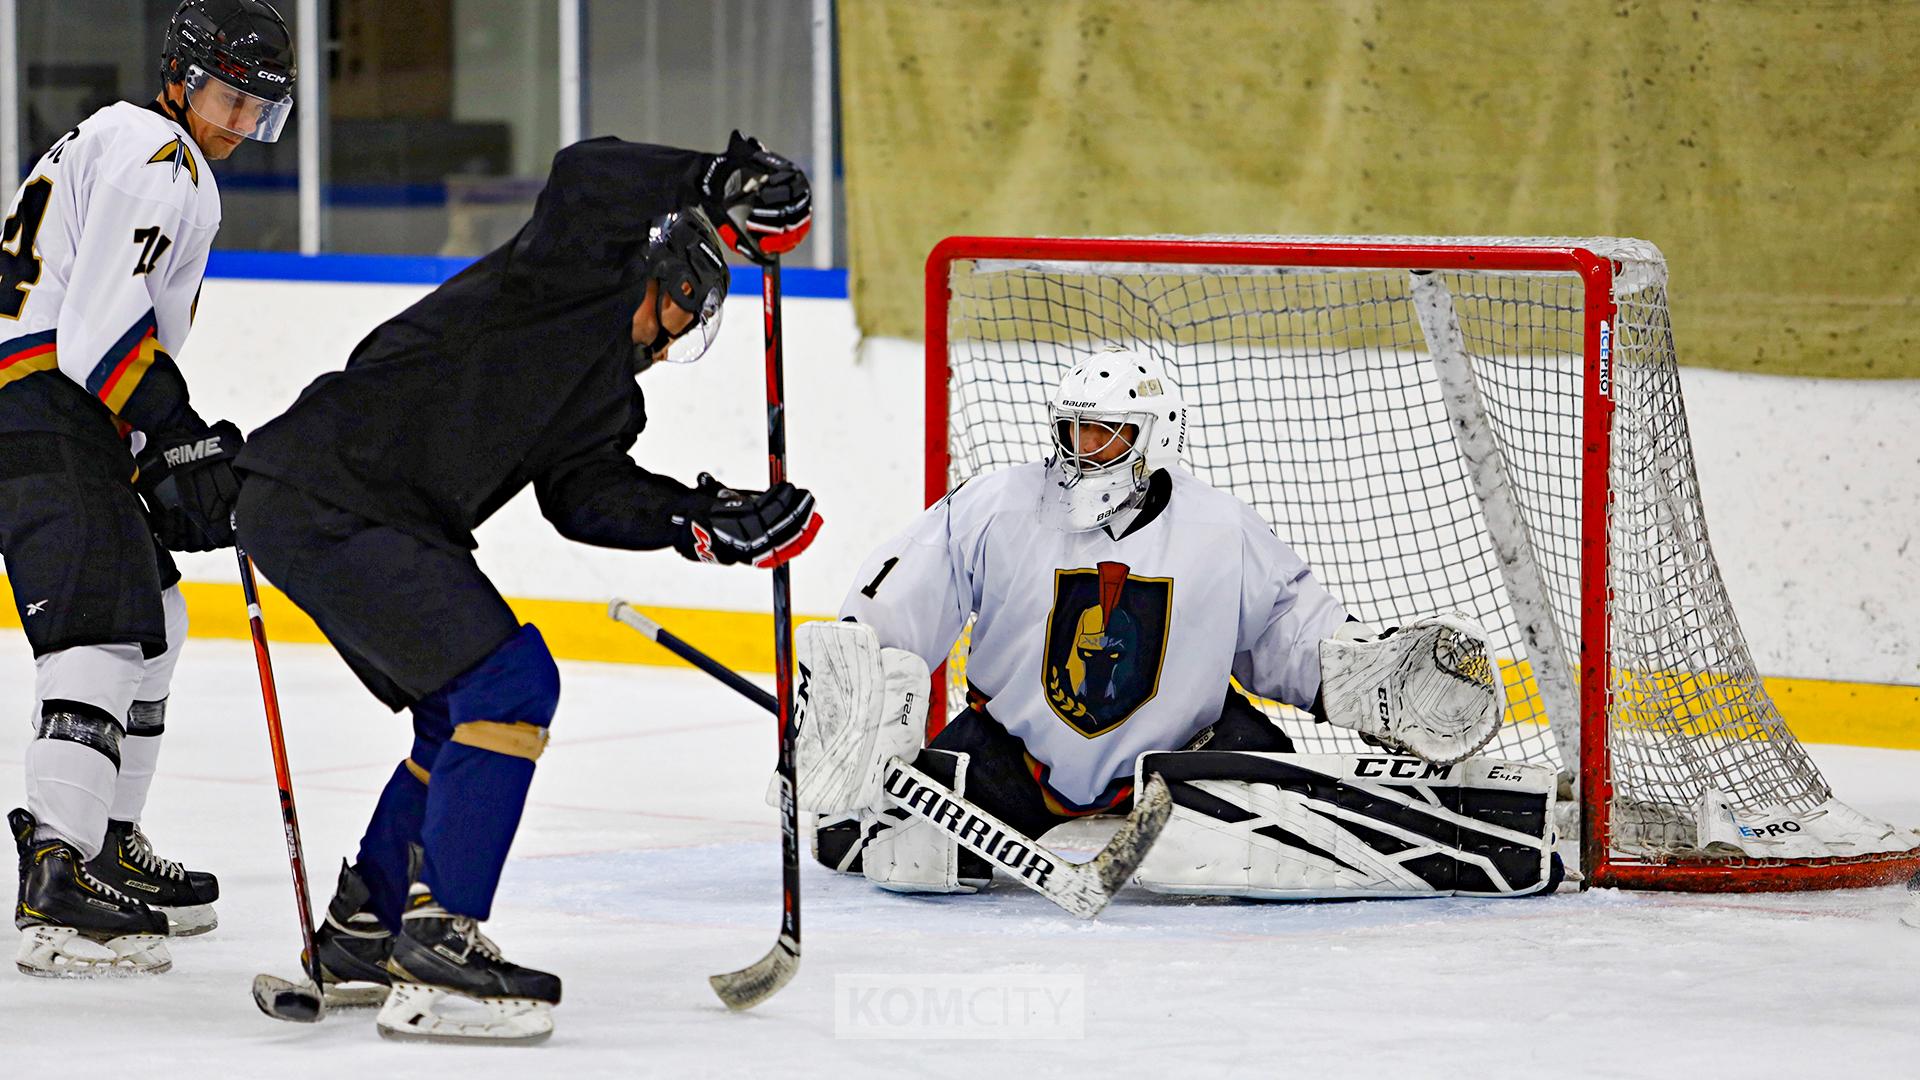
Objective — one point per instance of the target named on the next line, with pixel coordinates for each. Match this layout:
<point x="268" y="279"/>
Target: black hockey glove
<point x="760" y="201"/>
<point x="190" y="487"/>
<point x="766" y="528"/>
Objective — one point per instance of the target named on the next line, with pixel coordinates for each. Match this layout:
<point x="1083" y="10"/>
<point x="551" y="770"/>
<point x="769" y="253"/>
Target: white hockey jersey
<point x="106" y="244"/>
<point x="1093" y="650"/>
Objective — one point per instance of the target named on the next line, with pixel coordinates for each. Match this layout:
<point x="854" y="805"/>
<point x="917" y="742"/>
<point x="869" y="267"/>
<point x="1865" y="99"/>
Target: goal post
<point x="1486" y="424"/>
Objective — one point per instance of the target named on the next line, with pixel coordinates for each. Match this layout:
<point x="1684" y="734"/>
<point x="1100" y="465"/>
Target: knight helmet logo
<point x="1106" y="641"/>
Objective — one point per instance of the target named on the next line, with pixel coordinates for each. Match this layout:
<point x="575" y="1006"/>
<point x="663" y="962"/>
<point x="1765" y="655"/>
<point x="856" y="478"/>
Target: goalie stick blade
<point x="297" y="1003"/>
<point x="1115" y="864"/>
<point x="760" y="980"/>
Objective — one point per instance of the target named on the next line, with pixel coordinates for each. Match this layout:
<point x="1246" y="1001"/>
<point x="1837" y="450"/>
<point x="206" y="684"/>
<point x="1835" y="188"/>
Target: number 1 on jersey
<point x="870" y="588"/>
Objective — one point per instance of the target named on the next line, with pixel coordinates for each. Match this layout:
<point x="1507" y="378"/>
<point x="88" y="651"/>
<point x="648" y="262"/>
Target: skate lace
<point x="103" y="888"/>
<point x="140" y="850"/>
<point x="469" y="931"/>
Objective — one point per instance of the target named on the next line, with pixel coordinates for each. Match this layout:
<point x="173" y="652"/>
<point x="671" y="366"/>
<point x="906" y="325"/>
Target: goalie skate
<point x="450" y="983"/>
<point x="73" y="925"/>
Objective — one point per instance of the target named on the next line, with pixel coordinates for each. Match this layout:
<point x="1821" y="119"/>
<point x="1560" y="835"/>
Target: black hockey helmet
<point x="243" y="45"/>
<point x="684" y="254"/>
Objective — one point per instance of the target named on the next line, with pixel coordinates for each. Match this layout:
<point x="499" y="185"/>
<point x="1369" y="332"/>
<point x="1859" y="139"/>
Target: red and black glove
<point x="190" y="487"/>
<point x="766" y="528"/>
<point x="759" y="201"/>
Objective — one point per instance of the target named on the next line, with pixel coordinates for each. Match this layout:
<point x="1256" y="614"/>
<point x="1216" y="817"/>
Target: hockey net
<point x="1492" y="426"/>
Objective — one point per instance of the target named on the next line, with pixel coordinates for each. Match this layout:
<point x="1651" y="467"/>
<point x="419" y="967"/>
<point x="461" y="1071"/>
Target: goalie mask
<point x="1115" y="420"/>
<point x="683" y="254"/>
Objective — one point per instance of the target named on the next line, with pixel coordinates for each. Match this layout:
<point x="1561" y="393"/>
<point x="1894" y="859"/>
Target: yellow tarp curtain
<point x="1771" y="149"/>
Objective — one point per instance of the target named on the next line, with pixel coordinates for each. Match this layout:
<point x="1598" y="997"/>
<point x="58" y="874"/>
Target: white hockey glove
<point x="855" y="705"/>
<point x="1431" y="687"/>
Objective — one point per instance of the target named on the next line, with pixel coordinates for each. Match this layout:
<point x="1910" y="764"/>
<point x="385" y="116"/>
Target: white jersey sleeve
<point x="124" y="213"/>
<point x="916" y="589"/>
<point x="1284" y="612"/>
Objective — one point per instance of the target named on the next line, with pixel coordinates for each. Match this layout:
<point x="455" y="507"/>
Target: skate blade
<point x="55" y="952"/>
<point x="191" y="920"/>
<point x="295" y="1002"/>
<point x="419" y="1013"/>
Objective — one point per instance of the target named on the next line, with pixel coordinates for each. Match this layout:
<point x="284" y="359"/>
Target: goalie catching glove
<point x="855" y="705"/>
<point x="717" y="524"/>
<point x="1431" y="687"/>
<point x="760" y="201"/>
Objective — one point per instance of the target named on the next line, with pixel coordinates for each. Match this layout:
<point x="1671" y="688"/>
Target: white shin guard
<point x="903" y="854"/>
<point x="1325" y="826"/>
<point x="147" y="716"/>
<point x="72" y="771"/>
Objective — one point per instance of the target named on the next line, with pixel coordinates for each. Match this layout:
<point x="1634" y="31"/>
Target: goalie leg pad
<point x="1330" y="826"/>
<point x="856" y="704"/>
<point x="903" y="854"/>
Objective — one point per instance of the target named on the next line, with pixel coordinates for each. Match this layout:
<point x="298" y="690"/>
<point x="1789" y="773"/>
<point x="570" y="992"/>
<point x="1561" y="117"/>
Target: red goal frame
<point x="1601" y="866"/>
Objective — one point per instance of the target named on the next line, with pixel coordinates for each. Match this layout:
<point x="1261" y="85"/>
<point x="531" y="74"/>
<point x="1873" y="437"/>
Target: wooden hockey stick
<point x="763" y="978"/>
<point x="1083" y="889"/>
<point x="277" y="997"/>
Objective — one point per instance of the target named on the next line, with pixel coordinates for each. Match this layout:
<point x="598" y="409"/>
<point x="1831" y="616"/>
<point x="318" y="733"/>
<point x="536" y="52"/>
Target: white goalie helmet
<point x="1115" y="420"/>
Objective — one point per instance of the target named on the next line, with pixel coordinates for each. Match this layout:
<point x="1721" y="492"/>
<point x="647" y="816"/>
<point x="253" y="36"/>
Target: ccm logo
<point x="199" y="451"/>
<point x="1400" y="768"/>
<point x="270" y="76"/>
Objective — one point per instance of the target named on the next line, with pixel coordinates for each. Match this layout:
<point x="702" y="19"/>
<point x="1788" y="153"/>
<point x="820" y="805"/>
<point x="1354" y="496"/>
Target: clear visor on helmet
<point x="1092" y="444"/>
<point x="693" y="342"/>
<point x="234" y="110"/>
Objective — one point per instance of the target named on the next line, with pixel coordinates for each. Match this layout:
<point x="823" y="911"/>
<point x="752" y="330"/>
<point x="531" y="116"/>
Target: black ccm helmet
<point x="684" y="254"/>
<point x="236" y="59"/>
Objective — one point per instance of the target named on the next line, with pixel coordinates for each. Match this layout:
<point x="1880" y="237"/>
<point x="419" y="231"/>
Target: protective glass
<point x="692" y="343"/>
<point x="231" y="109"/>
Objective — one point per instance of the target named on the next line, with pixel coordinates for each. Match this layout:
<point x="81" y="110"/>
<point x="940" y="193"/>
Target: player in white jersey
<point x="104" y="465"/>
<point x="1113" y="596"/>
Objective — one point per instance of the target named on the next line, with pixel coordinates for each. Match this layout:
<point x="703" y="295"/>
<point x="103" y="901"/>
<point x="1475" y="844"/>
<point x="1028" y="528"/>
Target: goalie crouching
<point x="1114" y="594"/>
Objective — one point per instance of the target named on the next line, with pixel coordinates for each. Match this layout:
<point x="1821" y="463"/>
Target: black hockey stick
<point x="277" y="997"/>
<point x="1083" y="889"/>
<point x="763" y="978"/>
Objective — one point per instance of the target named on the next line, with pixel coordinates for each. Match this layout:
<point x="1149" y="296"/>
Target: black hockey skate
<point x="62" y="903"/>
<point x="438" y="955"/>
<point x="353" y="946"/>
<point x="128" y="863"/>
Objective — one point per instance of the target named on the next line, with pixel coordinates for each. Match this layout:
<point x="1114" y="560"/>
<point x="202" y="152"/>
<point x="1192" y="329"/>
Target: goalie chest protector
<point x="1091" y="649"/>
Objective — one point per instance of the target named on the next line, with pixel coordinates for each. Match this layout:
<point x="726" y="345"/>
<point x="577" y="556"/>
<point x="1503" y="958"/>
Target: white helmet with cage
<point x="1116" y="419"/>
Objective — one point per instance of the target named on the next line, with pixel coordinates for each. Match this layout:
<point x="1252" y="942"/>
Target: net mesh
<point x="1313" y="399"/>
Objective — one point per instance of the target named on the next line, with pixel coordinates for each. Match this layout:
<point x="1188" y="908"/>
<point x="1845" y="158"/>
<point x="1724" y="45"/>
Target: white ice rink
<point x="647" y="861"/>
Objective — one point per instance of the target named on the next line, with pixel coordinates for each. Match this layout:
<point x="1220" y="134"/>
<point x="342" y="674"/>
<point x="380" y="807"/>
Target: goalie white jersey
<point x="1091" y="649"/>
<point x="106" y="244"/>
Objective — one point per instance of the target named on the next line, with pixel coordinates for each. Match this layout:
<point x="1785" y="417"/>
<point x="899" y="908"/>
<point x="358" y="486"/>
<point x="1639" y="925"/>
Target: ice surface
<point x="647" y="861"/>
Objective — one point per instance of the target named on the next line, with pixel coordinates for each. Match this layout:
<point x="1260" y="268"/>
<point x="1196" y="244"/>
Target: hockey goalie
<point x="1120" y="608"/>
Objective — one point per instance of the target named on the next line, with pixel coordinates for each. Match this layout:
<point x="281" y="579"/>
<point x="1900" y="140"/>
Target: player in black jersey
<point x="361" y="501"/>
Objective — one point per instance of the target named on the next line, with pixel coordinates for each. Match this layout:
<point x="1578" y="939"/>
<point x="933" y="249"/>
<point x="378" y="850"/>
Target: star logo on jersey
<point x="177" y="154"/>
<point x="1106" y="640"/>
<point x="36" y="608"/>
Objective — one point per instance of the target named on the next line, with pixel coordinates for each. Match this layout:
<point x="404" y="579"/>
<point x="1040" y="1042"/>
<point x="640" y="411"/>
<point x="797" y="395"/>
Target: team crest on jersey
<point x="1106" y="640"/>
<point x="177" y="154"/>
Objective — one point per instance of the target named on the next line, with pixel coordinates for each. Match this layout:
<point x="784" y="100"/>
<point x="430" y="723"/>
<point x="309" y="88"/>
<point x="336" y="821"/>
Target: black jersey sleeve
<point x="605" y="499"/>
<point x="591" y="219"/>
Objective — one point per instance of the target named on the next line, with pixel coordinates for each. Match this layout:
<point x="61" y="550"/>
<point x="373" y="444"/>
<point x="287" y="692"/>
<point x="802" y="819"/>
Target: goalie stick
<point x="277" y="997"/>
<point x="1083" y="889"/>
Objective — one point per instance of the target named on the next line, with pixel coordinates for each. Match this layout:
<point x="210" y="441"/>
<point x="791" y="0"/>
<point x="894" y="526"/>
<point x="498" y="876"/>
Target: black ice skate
<point x="437" y="956"/>
<point x="128" y="863"/>
<point x="61" y="904"/>
<point x="353" y="949"/>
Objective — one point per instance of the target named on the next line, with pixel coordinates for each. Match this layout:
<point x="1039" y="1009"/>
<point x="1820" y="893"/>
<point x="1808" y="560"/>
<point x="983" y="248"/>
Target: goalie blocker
<point x="1351" y="826"/>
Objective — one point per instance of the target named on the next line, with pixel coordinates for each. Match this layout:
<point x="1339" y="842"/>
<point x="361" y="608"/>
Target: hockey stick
<point x="1082" y="889"/>
<point x="277" y="997"/>
<point x="763" y="978"/>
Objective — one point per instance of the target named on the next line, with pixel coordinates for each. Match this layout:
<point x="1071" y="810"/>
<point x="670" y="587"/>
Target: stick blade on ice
<point x="760" y="980"/>
<point x="299" y="1003"/>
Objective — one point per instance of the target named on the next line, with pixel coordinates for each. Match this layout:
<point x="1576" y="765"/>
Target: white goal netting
<point x="1314" y="396"/>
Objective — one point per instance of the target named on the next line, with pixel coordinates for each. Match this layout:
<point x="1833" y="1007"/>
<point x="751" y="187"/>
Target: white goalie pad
<point x="855" y="705"/>
<point x="1333" y="826"/>
<point x="1431" y="688"/>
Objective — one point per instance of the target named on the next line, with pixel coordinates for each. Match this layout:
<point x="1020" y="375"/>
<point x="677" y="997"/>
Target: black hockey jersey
<point x="517" y="371"/>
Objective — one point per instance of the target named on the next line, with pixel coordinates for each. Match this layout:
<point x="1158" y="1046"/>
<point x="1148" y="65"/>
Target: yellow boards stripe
<point x="1817" y="710"/>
